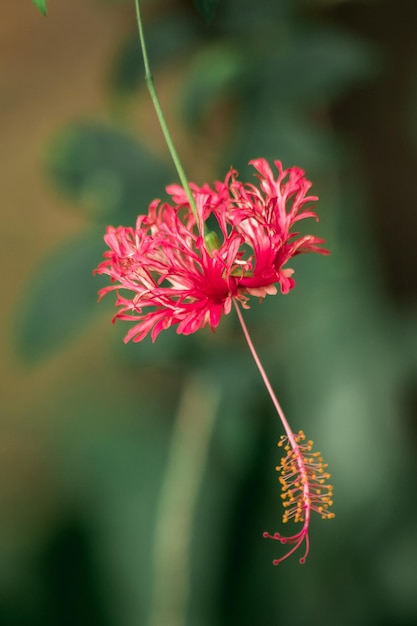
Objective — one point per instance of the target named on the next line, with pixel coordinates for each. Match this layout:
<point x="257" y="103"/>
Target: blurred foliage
<point x="207" y="8"/>
<point x="339" y="354"/>
<point x="105" y="172"/>
<point x="54" y="311"/>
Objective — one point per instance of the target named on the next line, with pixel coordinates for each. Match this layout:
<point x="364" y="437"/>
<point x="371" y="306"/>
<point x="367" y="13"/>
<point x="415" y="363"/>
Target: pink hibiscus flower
<point x="167" y="271"/>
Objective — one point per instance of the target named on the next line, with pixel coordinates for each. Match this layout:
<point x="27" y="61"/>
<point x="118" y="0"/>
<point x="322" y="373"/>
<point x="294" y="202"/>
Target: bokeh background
<point x="87" y="422"/>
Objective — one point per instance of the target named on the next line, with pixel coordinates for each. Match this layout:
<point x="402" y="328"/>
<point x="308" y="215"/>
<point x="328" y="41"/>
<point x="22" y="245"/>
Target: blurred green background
<point x="86" y="422"/>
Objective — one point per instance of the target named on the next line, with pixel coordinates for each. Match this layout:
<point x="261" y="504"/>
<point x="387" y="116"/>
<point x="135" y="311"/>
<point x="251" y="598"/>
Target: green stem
<point x="161" y="118"/>
<point x="183" y="476"/>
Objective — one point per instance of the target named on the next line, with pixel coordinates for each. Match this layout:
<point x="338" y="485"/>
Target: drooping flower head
<point x="305" y="490"/>
<point x="172" y="270"/>
<point x="169" y="271"/>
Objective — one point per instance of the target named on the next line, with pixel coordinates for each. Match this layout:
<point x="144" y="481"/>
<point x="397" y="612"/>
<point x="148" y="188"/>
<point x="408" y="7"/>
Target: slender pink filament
<point x="291" y="438"/>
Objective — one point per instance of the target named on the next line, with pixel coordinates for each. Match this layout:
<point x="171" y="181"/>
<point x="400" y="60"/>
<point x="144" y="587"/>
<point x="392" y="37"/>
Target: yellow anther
<point x="302" y="479"/>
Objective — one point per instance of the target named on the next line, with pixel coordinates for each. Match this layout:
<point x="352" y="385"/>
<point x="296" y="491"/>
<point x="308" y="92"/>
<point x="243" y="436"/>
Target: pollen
<point x="304" y="480"/>
<point x="305" y="488"/>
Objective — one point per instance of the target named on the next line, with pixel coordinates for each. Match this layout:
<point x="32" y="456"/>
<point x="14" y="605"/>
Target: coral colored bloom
<point x="166" y="272"/>
<point x="304" y="490"/>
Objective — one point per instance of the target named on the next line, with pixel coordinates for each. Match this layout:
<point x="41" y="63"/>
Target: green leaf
<point x="112" y="176"/>
<point x="216" y="73"/>
<point x="315" y="66"/>
<point x="60" y="298"/>
<point x="288" y="135"/>
<point x="207" y="8"/>
<point x="41" y="5"/>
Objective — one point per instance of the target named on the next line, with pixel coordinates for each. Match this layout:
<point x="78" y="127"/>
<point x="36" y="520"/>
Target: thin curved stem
<point x="303" y="535"/>
<point x="164" y="127"/>
<point x="265" y="378"/>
